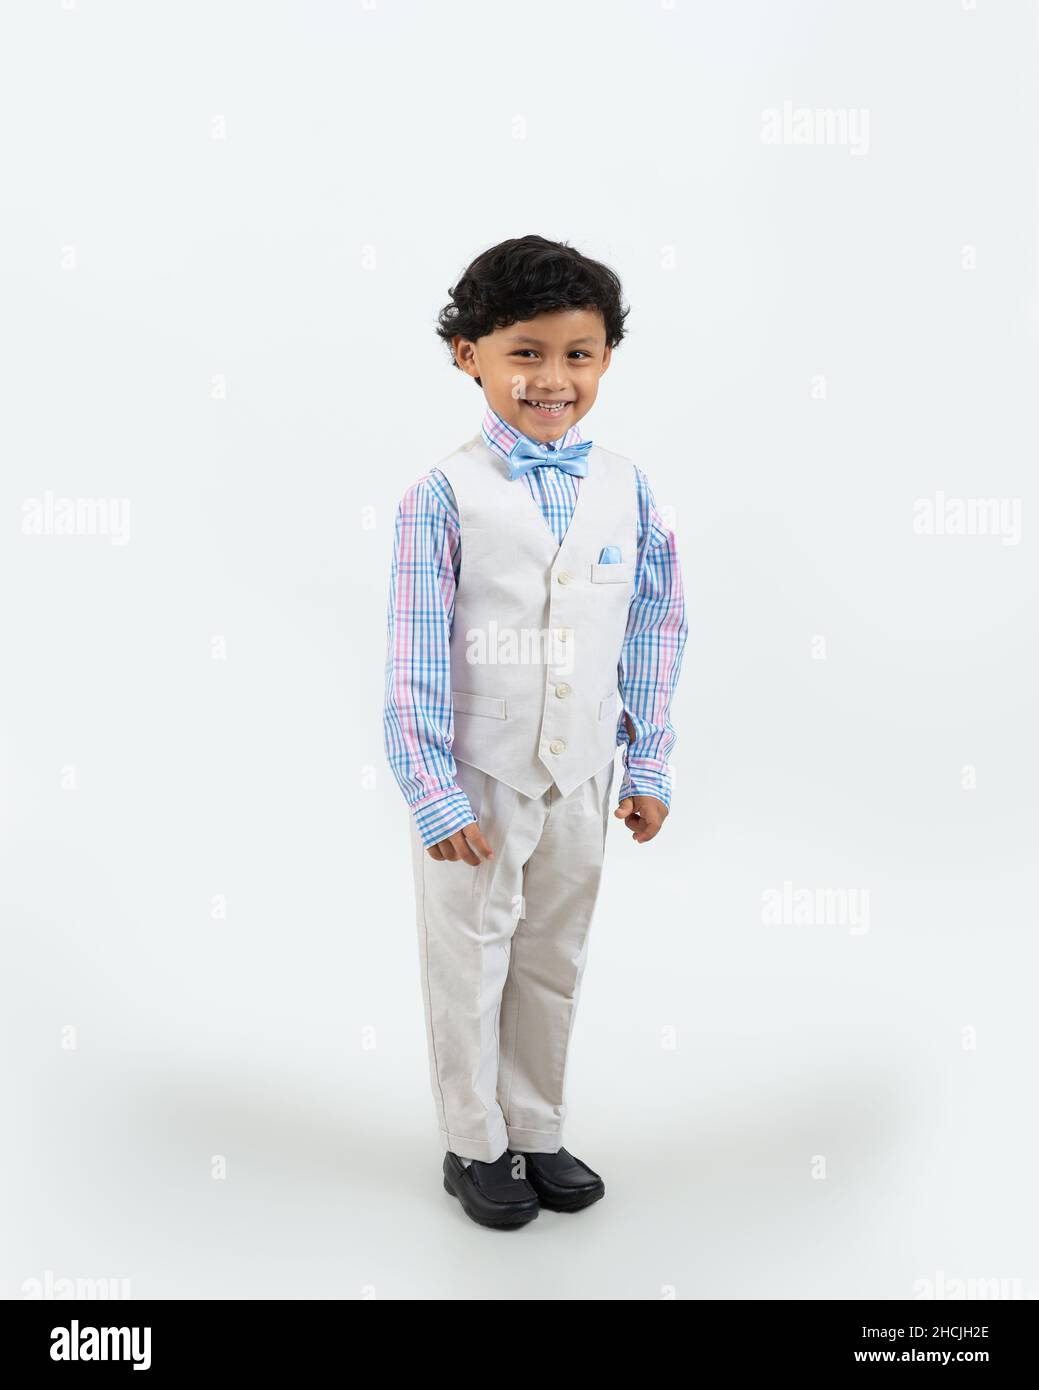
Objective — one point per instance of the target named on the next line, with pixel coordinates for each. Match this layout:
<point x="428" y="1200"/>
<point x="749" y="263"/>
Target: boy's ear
<point x="607" y="355"/>
<point x="464" y="355"/>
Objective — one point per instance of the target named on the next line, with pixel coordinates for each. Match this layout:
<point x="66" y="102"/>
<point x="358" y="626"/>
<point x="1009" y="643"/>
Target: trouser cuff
<point x="534" y="1141"/>
<point x="485" y="1150"/>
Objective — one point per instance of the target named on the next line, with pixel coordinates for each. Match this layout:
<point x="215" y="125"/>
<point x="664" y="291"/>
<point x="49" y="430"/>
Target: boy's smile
<point x="540" y="375"/>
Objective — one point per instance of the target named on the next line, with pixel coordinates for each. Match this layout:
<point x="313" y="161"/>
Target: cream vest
<point x="538" y="627"/>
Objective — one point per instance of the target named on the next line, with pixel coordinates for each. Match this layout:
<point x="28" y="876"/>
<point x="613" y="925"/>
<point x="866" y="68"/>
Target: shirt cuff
<point x="651" y="778"/>
<point x="442" y="815"/>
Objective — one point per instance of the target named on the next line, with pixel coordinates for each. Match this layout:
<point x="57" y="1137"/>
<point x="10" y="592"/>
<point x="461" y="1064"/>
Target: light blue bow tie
<point x="526" y="455"/>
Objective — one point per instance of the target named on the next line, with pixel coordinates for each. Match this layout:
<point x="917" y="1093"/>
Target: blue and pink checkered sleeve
<point x="418" y="723"/>
<point x="651" y="658"/>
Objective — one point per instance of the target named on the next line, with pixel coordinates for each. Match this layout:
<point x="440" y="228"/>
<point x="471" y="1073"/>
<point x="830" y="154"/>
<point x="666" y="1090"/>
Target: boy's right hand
<point x="467" y="844"/>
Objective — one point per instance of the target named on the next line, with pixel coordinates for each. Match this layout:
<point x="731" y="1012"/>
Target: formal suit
<point x="520" y="719"/>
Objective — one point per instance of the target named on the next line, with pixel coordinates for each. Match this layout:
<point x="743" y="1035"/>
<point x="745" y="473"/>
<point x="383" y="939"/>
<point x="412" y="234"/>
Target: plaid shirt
<point x="418" y="721"/>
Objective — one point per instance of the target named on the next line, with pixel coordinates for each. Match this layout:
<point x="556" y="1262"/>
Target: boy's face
<point x="557" y="357"/>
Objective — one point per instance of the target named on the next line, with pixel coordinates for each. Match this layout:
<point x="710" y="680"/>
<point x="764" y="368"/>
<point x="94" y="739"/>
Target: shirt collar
<point x="502" y="437"/>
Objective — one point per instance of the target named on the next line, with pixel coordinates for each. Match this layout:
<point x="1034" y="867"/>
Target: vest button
<point x="562" y="691"/>
<point x="563" y="578"/>
<point x="556" y="746"/>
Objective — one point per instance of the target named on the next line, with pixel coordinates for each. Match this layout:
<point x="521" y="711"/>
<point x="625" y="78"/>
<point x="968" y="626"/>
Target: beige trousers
<point x="502" y="950"/>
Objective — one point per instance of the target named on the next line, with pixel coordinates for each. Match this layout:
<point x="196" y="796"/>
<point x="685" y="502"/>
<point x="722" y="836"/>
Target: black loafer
<point x="562" y="1182"/>
<point x="489" y="1193"/>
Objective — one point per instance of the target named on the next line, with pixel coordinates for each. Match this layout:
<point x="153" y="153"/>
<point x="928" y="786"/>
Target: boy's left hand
<point x="644" y="815"/>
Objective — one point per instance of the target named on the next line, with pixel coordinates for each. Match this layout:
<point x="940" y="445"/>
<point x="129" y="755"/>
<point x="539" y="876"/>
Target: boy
<point x="532" y="582"/>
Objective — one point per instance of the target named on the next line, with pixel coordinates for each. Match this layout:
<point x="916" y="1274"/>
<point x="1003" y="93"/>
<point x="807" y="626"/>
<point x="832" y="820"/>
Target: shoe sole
<point x="578" y="1203"/>
<point x="506" y="1223"/>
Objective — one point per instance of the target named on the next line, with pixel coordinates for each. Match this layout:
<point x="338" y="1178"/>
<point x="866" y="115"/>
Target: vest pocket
<point x="607" y="703"/>
<point x="465" y="703"/>
<point x="621" y="573"/>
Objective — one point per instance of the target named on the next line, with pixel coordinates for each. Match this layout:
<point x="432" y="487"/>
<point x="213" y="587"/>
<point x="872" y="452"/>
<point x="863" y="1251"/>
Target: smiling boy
<point x="537" y="545"/>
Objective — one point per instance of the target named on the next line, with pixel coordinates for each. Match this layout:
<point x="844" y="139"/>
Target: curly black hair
<point x="525" y="276"/>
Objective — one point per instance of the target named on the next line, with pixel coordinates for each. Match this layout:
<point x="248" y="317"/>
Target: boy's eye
<point x="578" y="352"/>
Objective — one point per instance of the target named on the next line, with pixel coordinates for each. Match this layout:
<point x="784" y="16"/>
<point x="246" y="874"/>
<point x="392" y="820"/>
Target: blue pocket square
<point x="610" y="555"/>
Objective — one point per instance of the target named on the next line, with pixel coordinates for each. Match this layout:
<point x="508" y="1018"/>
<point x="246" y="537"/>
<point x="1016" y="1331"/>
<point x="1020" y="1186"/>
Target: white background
<point x="278" y="196"/>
